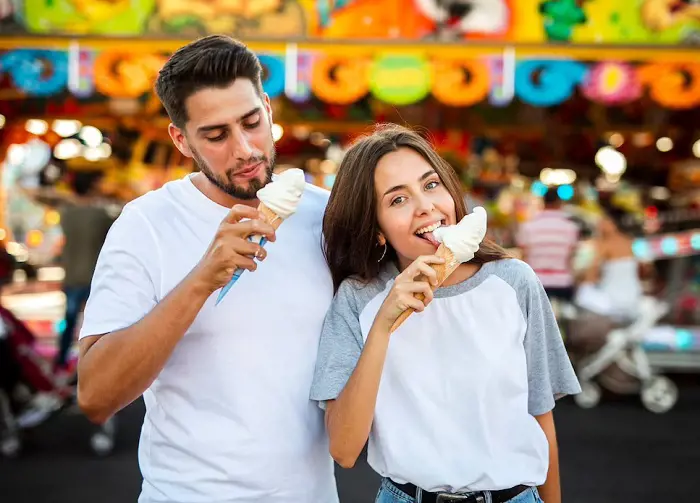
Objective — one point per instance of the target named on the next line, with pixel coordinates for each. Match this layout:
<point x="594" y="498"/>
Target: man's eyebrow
<point x="214" y="127"/>
<point x="248" y="115"/>
<point x="211" y="127"/>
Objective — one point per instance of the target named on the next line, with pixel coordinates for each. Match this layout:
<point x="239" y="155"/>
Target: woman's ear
<point x="381" y="239"/>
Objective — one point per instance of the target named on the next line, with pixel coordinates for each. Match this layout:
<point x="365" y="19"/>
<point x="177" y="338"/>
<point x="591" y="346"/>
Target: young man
<point x="549" y="243"/>
<point x="226" y="387"/>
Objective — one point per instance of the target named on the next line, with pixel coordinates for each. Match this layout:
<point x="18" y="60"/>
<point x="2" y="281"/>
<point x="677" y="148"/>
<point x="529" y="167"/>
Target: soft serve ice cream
<point x="282" y="195"/>
<point x="279" y="200"/>
<point x="464" y="239"/>
<point x="458" y="244"/>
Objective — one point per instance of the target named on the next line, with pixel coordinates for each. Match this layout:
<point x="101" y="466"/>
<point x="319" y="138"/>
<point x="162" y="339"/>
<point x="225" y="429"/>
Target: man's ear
<point x="268" y="107"/>
<point x="180" y="140"/>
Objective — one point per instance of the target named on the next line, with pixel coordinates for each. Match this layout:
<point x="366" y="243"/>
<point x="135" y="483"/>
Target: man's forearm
<point x="116" y="368"/>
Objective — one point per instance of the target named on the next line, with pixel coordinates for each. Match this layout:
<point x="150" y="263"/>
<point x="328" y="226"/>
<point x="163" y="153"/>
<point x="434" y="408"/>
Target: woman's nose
<point x="424" y="205"/>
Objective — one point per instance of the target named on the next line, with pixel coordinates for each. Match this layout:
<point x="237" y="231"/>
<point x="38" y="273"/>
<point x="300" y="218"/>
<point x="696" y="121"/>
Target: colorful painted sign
<point x="344" y="80"/>
<point x="665" y="22"/>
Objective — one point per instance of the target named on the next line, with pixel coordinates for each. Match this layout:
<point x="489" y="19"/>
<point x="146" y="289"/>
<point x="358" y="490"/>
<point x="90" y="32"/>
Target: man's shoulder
<point x="316" y="197"/>
<point x="156" y="201"/>
<point x="141" y="213"/>
<point x="551" y="220"/>
<point x="313" y="205"/>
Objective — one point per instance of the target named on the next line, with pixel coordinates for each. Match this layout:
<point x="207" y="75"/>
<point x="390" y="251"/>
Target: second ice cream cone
<point x="443" y="272"/>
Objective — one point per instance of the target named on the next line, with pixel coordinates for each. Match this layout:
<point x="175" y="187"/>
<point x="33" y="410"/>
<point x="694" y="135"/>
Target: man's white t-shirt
<point x="229" y="418"/>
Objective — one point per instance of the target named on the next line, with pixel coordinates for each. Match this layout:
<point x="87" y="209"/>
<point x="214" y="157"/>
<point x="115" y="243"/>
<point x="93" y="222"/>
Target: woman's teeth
<point x="429" y="228"/>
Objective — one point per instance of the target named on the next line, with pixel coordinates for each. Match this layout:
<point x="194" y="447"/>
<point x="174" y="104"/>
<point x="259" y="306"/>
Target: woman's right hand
<point x="417" y="278"/>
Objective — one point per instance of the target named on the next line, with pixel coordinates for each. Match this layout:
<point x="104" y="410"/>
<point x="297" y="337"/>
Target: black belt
<point x="500" y="496"/>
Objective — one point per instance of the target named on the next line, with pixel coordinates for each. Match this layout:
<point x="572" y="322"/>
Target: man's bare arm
<point x="116" y="368"/>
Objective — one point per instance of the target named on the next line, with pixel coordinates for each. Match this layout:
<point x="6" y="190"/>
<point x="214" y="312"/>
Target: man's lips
<point x="249" y="171"/>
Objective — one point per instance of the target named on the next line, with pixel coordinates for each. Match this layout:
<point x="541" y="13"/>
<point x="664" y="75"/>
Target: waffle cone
<point x="443" y="272"/>
<point x="272" y="218"/>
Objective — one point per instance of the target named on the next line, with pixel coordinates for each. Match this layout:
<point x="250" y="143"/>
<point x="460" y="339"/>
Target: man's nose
<point x="242" y="149"/>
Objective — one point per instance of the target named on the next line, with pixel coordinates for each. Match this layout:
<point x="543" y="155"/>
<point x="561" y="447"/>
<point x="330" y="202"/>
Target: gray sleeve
<point x="550" y="373"/>
<point x="340" y="346"/>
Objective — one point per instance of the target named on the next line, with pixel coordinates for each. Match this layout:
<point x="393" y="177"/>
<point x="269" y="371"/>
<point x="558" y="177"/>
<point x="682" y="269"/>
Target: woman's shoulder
<point x="359" y="292"/>
<point x="512" y="266"/>
<point x="354" y="285"/>
<point x="513" y="271"/>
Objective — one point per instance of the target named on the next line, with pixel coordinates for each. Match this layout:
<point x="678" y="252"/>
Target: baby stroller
<point x="611" y="356"/>
<point x="29" y="393"/>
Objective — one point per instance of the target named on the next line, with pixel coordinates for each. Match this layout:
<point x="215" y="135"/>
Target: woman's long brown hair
<point x="350" y="224"/>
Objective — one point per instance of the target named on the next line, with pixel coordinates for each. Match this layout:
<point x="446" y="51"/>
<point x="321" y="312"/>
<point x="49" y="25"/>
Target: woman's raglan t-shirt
<point x="461" y="382"/>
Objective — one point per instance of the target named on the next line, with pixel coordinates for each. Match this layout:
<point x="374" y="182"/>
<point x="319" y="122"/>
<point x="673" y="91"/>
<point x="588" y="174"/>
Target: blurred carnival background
<point x="586" y="110"/>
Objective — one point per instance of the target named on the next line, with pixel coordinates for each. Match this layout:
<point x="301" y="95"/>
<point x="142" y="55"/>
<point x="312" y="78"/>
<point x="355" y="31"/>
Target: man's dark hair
<point x="85" y="182"/>
<point x="551" y="198"/>
<point x="213" y="61"/>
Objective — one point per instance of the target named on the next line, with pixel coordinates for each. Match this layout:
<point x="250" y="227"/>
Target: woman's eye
<point x="431" y="185"/>
<point x="398" y="200"/>
<point x="252" y="125"/>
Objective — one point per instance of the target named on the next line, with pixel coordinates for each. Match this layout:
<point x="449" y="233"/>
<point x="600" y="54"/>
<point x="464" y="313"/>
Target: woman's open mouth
<point x="426" y="233"/>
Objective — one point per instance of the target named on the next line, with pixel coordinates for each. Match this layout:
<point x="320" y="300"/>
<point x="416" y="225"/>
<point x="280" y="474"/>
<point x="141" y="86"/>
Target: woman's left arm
<point x="550" y="491"/>
<point x="550" y="373"/>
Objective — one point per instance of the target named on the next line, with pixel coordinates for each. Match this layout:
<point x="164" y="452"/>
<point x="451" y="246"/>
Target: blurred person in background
<point x="548" y="242"/>
<point x="608" y="296"/>
<point x="85" y="223"/>
<point x="7" y="266"/>
<point x="611" y="286"/>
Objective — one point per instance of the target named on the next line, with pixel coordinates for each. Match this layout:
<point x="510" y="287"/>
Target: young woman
<point x="457" y="403"/>
<point x="612" y="286"/>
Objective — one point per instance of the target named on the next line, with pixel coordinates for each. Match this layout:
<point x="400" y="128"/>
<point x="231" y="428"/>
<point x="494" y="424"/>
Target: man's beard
<point x="225" y="183"/>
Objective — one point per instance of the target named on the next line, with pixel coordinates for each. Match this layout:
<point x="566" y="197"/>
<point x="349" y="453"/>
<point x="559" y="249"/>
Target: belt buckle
<point x="456" y="498"/>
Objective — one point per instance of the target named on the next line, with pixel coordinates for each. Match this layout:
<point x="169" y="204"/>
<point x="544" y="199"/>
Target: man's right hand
<point x="230" y="248"/>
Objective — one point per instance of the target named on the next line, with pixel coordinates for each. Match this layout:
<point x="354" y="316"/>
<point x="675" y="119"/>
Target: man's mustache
<point x="250" y="162"/>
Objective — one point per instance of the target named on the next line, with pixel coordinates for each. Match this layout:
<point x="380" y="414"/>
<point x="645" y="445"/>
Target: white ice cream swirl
<point x="464" y="239"/>
<point x="283" y="194"/>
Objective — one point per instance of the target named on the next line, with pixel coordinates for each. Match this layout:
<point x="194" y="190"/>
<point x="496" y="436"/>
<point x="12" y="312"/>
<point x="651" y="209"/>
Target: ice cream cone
<point x="272" y="218"/>
<point x="443" y="272"/>
<point x="283" y="194"/>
